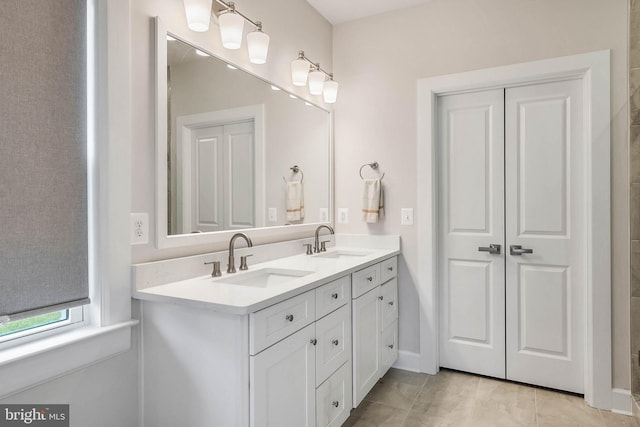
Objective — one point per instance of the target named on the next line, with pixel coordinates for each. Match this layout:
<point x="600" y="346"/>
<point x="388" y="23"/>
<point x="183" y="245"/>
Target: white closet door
<point x="471" y="200"/>
<point x="239" y="191"/>
<point x="203" y="200"/>
<point x="544" y="200"/>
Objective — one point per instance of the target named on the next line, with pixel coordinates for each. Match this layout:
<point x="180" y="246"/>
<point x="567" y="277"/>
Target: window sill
<point x="26" y="365"/>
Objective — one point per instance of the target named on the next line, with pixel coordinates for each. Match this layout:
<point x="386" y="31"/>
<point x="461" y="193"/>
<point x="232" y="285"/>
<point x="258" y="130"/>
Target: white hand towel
<point x="295" y="201"/>
<point x="372" y="201"/>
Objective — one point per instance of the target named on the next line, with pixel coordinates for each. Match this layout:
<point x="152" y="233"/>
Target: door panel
<point x="469" y="302"/>
<point x="544" y="295"/>
<point x="205" y="197"/>
<point x="239" y="188"/>
<point x="471" y="140"/>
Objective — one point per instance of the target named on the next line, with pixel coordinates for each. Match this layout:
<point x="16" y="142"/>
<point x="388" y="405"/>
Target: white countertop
<point x="212" y="293"/>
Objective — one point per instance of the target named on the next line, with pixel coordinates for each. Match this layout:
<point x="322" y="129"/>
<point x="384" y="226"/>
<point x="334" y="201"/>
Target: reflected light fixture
<point x="201" y="53"/>
<point x="303" y="70"/>
<point x="198" y="14"/>
<point x="231" y="22"/>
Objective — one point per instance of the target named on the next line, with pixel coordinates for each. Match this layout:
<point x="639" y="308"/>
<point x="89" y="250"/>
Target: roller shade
<point x="43" y="156"/>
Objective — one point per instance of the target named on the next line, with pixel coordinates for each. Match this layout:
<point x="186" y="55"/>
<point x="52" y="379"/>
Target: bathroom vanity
<point x="293" y="341"/>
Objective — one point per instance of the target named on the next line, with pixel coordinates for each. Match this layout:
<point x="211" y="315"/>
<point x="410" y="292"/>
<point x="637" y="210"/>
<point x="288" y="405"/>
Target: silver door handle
<point x="519" y="250"/>
<point x="492" y="249"/>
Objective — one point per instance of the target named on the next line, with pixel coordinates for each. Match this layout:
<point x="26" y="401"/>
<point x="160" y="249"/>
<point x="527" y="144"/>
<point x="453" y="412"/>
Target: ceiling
<point x="338" y="11"/>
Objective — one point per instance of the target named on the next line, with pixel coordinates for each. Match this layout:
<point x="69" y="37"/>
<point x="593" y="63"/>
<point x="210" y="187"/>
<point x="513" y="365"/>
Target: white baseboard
<point x="408" y="361"/>
<point x="621" y="401"/>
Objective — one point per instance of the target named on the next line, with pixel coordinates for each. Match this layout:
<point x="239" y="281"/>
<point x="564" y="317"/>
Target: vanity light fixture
<point x="303" y="69"/>
<point x="231" y="22"/>
<point x="198" y="14"/>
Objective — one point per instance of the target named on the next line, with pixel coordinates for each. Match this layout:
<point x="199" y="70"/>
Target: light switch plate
<point x="273" y="214"/>
<point x="324" y="215"/>
<point x="406" y="215"/>
<point x="343" y="215"/>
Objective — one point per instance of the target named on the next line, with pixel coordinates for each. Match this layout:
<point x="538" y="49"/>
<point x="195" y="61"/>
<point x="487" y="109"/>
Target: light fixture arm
<point x="316" y="65"/>
<point x="232" y="7"/>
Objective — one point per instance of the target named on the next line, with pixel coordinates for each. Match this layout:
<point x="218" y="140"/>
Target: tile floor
<point x="452" y="398"/>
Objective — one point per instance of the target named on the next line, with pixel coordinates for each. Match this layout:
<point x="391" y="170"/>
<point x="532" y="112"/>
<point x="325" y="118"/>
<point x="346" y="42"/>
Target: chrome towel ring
<point x="373" y="166"/>
<point x="296" y="169"/>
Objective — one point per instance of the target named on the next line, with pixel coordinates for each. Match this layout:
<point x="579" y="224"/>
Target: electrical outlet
<point x="273" y="214"/>
<point x="139" y="228"/>
<point x="324" y="215"/>
<point x="343" y="215"/>
<point x="406" y="215"/>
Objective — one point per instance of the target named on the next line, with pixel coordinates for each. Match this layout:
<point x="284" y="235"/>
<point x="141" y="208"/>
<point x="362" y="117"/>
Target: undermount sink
<point x="342" y="254"/>
<point x="265" y="277"/>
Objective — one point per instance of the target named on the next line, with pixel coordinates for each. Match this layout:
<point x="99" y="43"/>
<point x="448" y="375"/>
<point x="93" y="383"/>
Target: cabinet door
<point x="283" y="385"/>
<point x="389" y="302"/>
<point x="333" y="398"/>
<point x="333" y="333"/>
<point x="366" y="348"/>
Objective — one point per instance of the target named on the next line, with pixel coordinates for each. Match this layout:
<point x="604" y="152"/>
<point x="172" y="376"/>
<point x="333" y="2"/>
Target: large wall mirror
<point x="234" y="152"/>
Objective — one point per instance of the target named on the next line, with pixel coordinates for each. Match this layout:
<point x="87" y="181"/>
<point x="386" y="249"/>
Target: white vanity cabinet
<point x="375" y="325"/>
<point x="309" y="371"/>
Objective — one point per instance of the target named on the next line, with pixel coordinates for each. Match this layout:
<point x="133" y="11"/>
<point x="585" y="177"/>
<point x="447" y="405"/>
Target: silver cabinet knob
<point x="334" y="296"/>
<point x="391" y="303"/>
<point x="390" y="268"/>
<point x="289" y="317"/>
<point x="380" y="297"/>
<point x="370" y="279"/>
<point x="335" y="403"/>
<point x="390" y="346"/>
<point x="314" y="341"/>
<point x="335" y="342"/>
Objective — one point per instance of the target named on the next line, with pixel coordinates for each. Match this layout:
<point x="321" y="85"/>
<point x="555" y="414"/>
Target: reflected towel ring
<point x="296" y="169"/>
<point x="373" y="166"/>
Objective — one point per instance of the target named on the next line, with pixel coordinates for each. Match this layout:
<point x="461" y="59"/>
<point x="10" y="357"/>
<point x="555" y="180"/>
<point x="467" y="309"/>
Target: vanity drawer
<point x="365" y="280"/>
<point x="332" y="296"/>
<point x="333" y="346"/>
<point x="389" y="302"/>
<point x="388" y="269"/>
<point x="389" y="349"/>
<point x="333" y="398"/>
<point x="270" y="325"/>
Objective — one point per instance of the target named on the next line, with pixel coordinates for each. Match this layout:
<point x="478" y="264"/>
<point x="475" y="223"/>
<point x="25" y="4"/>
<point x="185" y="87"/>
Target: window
<point x="36" y="326"/>
<point x="43" y="165"/>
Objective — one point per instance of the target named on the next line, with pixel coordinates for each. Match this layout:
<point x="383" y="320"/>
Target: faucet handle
<point x="309" y="246"/>
<point x="323" y="247"/>
<point x="216" y="268"/>
<point x="243" y="262"/>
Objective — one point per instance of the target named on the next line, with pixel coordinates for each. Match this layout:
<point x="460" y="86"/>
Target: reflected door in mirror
<point x="216" y="190"/>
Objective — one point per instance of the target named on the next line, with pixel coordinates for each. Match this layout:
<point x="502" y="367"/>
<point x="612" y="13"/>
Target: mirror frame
<point x="163" y="238"/>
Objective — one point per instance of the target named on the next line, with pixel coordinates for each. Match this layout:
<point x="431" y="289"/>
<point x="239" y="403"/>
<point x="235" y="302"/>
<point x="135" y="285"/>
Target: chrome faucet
<point x="316" y="246"/>
<point x="231" y="266"/>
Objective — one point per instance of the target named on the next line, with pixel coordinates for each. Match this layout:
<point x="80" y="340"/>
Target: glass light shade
<point x="198" y="14"/>
<point x="330" y="91"/>
<point x="299" y="72"/>
<point x="316" y="82"/>
<point x="258" y="46"/>
<point x="231" y="27"/>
